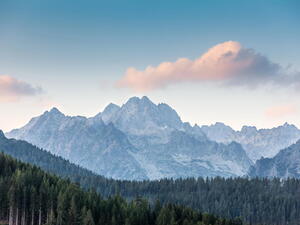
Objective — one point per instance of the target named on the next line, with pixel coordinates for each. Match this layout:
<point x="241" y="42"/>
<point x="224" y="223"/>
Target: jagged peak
<point x="133" y="100"/>
<point x="218" y="125"/>
<point x="145" y="101"/>
<point x="286" y="124"/>
<point x="254" y="128"/>
<point x="55" y="111"/>
<point x="248" y="128"/>
<point x="109" y="111"/>
<point x="112" y="105"/>
<point x="145" y="98"/>
<point x="137" y="100"/>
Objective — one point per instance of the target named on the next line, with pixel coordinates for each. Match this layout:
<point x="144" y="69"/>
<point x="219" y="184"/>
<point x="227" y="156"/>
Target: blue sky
<point x="75" y="52"/>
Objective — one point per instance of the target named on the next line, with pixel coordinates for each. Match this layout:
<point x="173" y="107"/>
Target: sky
<point x="231" y="61"/>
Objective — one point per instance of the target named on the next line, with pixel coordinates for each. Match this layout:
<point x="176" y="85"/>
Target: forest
<point x="255" y="200"/>
<point x="30" y="196"/>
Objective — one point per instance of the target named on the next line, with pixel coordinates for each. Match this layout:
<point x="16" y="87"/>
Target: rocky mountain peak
<point x="111" y="106"/>
<point x="147" y="140"/>
<point x="109" y="112"/>
<point x="54" y="112"/>
<point x="142" y="115"/>
<point x="249" y="129"/>
<point x="289" y="126"/>
<point x="139" y="102"/>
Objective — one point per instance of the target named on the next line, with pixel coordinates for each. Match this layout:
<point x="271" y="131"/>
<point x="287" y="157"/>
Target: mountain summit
<point x="141" y="116"/>
<point x="143" y="140"/>
<point x="88" y="142"/>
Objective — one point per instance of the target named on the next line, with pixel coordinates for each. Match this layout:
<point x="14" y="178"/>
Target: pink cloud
<point x="281" y="111"/>
<point x="227" y="61"/>
<point x="12" y="89"/>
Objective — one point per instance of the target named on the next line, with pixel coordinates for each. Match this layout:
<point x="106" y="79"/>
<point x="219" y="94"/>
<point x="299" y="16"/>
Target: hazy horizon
<point x="232" y="62"/>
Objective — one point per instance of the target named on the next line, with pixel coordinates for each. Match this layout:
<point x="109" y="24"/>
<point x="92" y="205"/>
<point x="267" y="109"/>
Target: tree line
<point x="255" y="200"/>
<point x="30" y="196"/>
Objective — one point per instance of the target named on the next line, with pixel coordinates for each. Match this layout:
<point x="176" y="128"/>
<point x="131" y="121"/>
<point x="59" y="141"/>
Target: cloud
<point x="226" y="63"/>
<point x="281" y="111"/>
<point x="12" y="89"/>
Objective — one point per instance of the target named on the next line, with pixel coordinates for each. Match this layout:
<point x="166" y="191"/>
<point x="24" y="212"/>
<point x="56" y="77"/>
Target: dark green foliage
<point x="35" y="197"/>
<point x="257" y="201"/>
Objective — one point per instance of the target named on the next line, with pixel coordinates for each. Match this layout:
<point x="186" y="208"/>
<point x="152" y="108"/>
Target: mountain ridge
<point x="80" y="140"/>
<point x="199" y="193"/>
<point x="283" y="165"/>
<point x="138" y="140"/>
<point x="256" y="142"/>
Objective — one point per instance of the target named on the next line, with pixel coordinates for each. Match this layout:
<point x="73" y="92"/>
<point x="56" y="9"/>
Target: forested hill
<point x="29" y="153"/>
<point x="257" y="201"/>
<point x="30" y="196"/>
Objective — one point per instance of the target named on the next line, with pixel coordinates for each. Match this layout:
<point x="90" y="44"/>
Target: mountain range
<point x="256" y="142"/>
<point x="143" y="140"/>
<point x="214" y="195"/>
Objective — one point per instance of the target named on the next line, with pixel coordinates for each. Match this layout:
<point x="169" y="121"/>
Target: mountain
<point x="185" y="156"/>
<point x="53" y="164"/>
<point x="214" y="195"/>
<point x="87" y="142"/>
<point x="285" y="164"/>
<point x="140" y="116"/>
<point x="256" y="142"/>
<point x="219" y="132"/>
<point x="138" y="140"/>
<point x="170" y="148"/>
<point x="108" y="113"/>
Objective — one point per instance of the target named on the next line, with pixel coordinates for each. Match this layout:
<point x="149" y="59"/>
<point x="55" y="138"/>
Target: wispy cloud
<point x="281" y="111"/>
<point x="227" y="63"/>
<point x="12" y="89"/>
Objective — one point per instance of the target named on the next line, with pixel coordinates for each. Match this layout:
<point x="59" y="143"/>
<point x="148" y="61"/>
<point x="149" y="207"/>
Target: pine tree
<point x="62" y="213"/>
<point x="88" y="219"/>
<point x="73" y="213"/>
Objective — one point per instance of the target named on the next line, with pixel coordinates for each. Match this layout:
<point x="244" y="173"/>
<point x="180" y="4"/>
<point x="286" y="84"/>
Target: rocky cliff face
<point x="285" y="164"/>
<point x="139" y="140"/>
<point x="256" y="142"/>
<point x="88" y="142"/>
